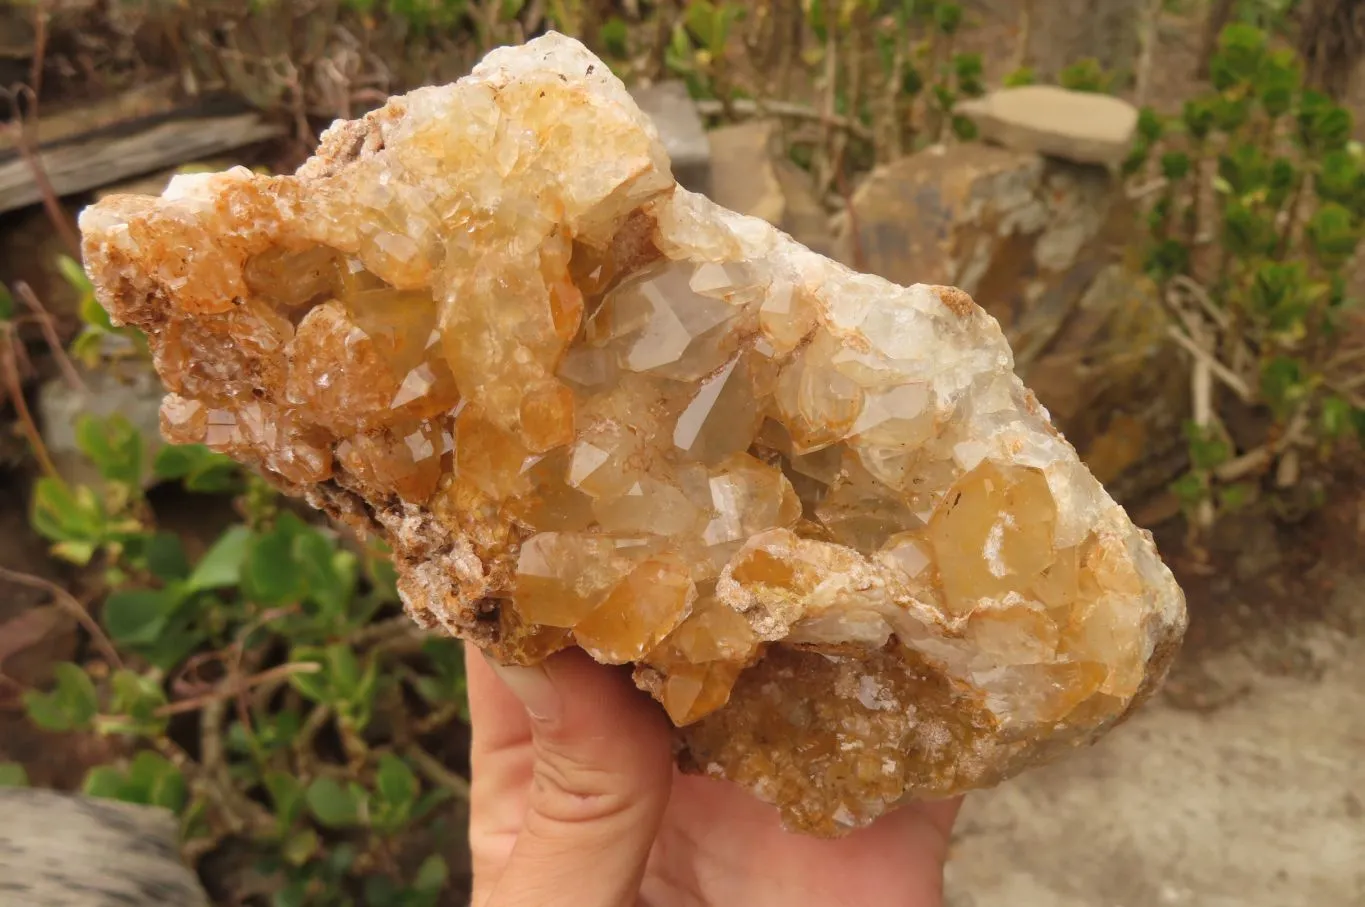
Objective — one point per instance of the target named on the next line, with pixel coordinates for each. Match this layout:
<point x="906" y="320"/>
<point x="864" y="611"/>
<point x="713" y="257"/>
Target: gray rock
<point x="1036" y="242"/>
<point x="66" y="850"/>
<point x="128" y="387"/>
<point x="681" y="129"/>
<point x="749" y="174"/>
<point x="1074" y="125"/>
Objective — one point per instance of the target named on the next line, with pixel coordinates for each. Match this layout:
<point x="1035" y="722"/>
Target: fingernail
<point x="532" y="685"/>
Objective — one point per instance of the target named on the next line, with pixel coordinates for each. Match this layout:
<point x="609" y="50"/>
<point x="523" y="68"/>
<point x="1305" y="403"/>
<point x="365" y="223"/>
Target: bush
<point x="1264" y="169"/>
<point x="271" y="689"/>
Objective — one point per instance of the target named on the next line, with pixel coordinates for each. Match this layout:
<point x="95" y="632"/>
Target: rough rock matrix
<point x="838" y="540"/>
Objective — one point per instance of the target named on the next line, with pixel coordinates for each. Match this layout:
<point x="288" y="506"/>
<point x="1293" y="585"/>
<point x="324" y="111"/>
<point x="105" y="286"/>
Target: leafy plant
<point x="98" y="336"/>
<point x="1266" y="168"/>
<point x="273" y="651"/>
<point x="1086" y="75"/>
<point x="698" y="46"/>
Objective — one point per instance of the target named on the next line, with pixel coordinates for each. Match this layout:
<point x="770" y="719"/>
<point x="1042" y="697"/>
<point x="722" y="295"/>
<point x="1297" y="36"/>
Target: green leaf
<point x="615" y="37"/>
<point x="814" y="11"/>
<point x="221" y="565"/>
<point x="198" y="467"/>
<point x="432" y="874"/>
<point x="1277" y="82"/>
<point x="293" y="894"/>
<point x="155" y="781"/>
<point x="340" y="858"/>
<point x="1333" y="233"/>
<point x="338" y="806"/>
<point x="317" y="685"/>
<point x="63" y="515"/>
<point x="138" y="616"/>
<point x="6" y="304"/>
<point x="1241" y="48"/>
<point x="1189" y="489"/>
<point x="286" y="795"/>
<point x="328" y="573"/>
<point x="1198" y="118"/>
<point x="104" y="781"/>
<point x="1278" y="295"/>
<point x="1024" y="75"/>
<point x="912" y="82"/>
<point x="1166" y="259"/>
<point x="1323" y="125"/>
<point x="1282" y="384"/>
<point x="1175" y="165"/>
<point x="1150" y="125"/>
<point x="12" y="774"/>
<point x="446" y="683"/>
<point x="71" y="705"/>
<point x="138" y="697"/>
<point x="1247" y="232"/>
<point x="1230" y="113"/>
<point x="1335" y="417"/>
<point x="964" y="128"/>
<point x="74" y="274"/>
<point x="382" y="891"/>
<point x="271" y="574"/>
<point x="1207" y="450"/>
<point x="114" y="446"/>
<point x="301" y="846"/>
<point x="395" y="783"/>
<point x="1232" y="498"/>
<point x="1085" y="75"/>
<point x="948" y="17"/>
<point x="429" y="801"/>
<point x="165" y="556"/>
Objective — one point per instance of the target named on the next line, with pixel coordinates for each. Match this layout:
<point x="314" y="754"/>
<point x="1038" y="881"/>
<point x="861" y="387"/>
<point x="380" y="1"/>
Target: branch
<point x="1201" y="296"/>
<point x="15" y="386"/>
<point x="437" y="773"/>
<point x="789" y="109"/>
<point x="68" y="603"/>
<point x="1260" y="457"/>
<point x="1220" y="371"/>
<point x="228" y="690"/>
<point x="46" y="325"/>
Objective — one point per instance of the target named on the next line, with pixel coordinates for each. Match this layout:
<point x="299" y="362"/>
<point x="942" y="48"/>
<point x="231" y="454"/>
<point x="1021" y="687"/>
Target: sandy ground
<point x="1257" y="803"/>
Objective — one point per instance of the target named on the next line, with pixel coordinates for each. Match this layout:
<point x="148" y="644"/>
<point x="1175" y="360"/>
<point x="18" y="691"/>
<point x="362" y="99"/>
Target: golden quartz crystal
<point x="839" y="541"/>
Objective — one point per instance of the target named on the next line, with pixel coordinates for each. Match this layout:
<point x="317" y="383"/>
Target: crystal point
<point x="838" y="540"/>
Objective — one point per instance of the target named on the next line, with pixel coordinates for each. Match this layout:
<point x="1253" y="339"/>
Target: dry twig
<point x="790" y="110"/>
<point x="1219" y="370"/>
<point x="68" y="603"/>
<point x="437" y="773"/>
<point x="230" y="689"/>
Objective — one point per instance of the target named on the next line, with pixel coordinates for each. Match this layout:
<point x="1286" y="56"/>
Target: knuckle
<point x="570" y="791"/>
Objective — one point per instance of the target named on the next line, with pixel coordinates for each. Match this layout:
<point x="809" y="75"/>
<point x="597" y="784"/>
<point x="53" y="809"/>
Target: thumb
<point x="600" y="781"/>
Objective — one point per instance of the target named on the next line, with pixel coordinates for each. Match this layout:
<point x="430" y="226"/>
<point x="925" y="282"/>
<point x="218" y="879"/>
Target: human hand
<point x="576" y="801"/>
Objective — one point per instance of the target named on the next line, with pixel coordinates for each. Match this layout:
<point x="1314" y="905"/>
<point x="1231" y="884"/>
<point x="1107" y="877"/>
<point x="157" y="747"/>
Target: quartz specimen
<point x="839" y="541"/>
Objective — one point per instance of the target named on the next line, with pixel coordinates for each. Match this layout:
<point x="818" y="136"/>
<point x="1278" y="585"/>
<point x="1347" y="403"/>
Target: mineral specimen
<point x="838" y="540"/>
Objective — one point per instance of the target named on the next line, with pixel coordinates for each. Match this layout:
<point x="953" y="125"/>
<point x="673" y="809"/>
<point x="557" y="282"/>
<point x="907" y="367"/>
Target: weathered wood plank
<point x="158" y="97"/>
<point x="63" y="850"/>
<point x="79" y="165"/>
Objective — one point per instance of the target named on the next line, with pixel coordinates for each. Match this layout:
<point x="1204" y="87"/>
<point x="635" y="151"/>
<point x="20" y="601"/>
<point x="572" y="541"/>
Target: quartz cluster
<point x="839" y="541"/>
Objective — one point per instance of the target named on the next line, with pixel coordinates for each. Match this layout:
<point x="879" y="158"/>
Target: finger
<point x="497" y="716"/>
<point x="600" y="781"/>
<point x="500" y="760"/>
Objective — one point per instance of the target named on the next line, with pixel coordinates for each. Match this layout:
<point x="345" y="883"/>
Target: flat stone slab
<point x="1078" y="126"/>
<point x="681" y="130"/>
